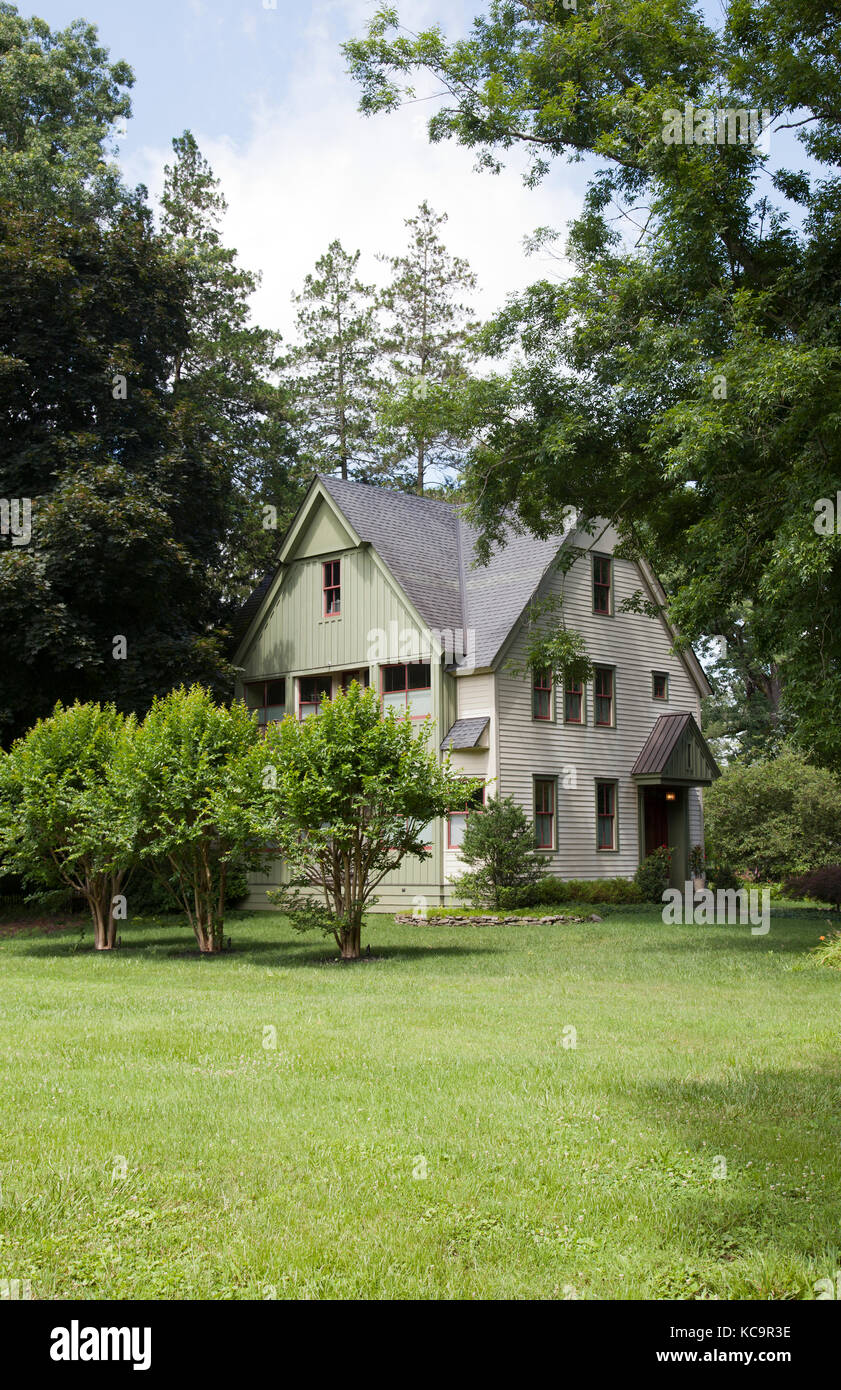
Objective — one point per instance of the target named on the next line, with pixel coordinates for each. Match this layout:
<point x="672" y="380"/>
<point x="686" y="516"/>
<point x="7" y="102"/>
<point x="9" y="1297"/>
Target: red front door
<point x="656" y="819"/>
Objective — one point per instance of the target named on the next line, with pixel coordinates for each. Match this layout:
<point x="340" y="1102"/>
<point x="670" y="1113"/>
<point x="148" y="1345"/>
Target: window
<point x="606" y="815"/>
<point x="544" y="812"/>
<point x="332" y="585"/>
<point x="457" y="820"/>
<point x="266" y="700"/>
<point x="573" y="703"/>
<point x="659" y="685"/>
<point x="408" y="687"/>
<point x="347" y="678"/>
<point x="541" y="695"/>
<point x="311" y="691"/>
<point x="603" y="690"/>
<point x="602" y="584"/>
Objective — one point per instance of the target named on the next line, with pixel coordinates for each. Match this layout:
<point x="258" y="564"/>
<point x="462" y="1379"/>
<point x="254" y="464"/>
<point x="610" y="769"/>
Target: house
<point x="381" y="587"/>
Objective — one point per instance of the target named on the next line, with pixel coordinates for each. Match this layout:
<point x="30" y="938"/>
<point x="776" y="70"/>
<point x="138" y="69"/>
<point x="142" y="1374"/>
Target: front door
<point x="656" y="824"/>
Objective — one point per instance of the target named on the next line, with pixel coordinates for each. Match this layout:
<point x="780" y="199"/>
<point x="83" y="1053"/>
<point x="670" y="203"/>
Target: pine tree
<point x="333" y="367"/>
<point x="423" y="414"/>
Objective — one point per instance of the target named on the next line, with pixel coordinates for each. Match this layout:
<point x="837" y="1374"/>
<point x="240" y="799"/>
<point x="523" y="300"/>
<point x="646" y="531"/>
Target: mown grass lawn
<point x="420" y="1128"/>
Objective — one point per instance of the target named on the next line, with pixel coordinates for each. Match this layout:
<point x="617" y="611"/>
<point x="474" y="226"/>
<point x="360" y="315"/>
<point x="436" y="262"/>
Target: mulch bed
<point x="13" y="925"/>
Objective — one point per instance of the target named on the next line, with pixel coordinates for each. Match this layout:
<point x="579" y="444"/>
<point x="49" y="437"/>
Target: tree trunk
<point x="352" y="939"/>
<point x="104" y="926"/>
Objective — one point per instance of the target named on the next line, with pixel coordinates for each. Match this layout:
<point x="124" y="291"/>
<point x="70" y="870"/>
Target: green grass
<point x="551" y="1170"/>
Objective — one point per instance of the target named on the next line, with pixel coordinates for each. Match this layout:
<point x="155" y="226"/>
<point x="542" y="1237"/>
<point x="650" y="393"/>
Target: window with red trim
<point x="602" y="584"/>
<point x="544" y="812"/>
<point x="604" y="701"/>
<point x="659" y="685"/>
<point x="312" y="690"/>
<point x="332" y="586"/>
<point x="541" y="695"/>
<point x="606" y="815"/>
<point x="573" y="703"/>
<point x="407" y="686"/>
<point x="457" y="820"/>
<point x="266" y="700"/>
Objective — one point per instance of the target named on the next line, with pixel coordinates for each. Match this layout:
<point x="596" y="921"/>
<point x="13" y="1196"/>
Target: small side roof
<point x="466" y="733"/>
<point x="660" y="756"/>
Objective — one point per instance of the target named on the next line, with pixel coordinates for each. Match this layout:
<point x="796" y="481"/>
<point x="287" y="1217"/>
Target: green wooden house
<point x="382" y="587"/>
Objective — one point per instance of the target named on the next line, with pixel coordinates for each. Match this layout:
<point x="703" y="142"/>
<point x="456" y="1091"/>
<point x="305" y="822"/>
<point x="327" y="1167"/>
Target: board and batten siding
<point x="295" y="639"/>
<point x="579" y="756"/>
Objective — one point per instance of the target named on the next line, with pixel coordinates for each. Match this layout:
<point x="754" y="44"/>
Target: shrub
<point x="652" y="876"/>
<point x="499" y="846"/>
<point x="550" y="891"/>
<point x="722" y="875"/>
<point x="774" y="819"/>
<point x="829" y="951"/>
<point x="823" y="885"/>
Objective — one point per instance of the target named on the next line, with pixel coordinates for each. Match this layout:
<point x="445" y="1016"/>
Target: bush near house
<point x="822" y="885"/>
<point x="774" y="819"/>
<point x="498" y="846"/>
<point x="652" y="876"/>
<point x="549" y="891"/>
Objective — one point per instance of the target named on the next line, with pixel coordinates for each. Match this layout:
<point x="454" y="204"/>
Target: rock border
<point x="405" y="919"/>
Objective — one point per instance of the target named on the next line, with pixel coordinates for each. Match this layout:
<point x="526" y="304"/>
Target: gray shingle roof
<point x="465" y="733"/>
<point x="430" y="550"/>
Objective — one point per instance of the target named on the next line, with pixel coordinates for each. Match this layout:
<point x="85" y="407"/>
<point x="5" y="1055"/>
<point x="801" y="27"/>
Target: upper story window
<point x="408" y="686"/>
<point x="541" y="695"/>
<point x="573" y="703"/>
<point x="312" y="690"/>
<point x="605" y="697"/>
<point x="659" y="685"/>
<point x="602" y="584"/>
<point x="266" y="700"/>
<point x="457" y="820"/>
<point x="332" y="586"/>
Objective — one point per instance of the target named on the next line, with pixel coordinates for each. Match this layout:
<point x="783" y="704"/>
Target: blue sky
<point x="266" y="94"/>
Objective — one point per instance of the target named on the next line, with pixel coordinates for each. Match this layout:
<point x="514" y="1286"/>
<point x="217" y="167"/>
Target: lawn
<point x="419" y="1125"/>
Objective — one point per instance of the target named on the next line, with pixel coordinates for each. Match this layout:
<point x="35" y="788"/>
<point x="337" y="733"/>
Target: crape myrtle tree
<point x="200" y="799"/>
<point x="356" y="791"/>
<point x="684" y="381"/>
<point x="63" y="822"/>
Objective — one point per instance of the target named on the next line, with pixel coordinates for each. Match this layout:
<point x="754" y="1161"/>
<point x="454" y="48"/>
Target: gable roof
<point x="430" y="549"/>
<point x="656" y="753"/>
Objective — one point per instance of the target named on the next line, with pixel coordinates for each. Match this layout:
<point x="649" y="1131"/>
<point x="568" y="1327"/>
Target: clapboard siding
<point x="634" y="645"/>
<point x="475" y="697"/>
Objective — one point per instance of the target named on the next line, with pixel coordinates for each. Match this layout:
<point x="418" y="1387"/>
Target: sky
<point x="266" y="94"/>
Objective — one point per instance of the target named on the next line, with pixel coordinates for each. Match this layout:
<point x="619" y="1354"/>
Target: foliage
<point x="822" y="885"/>
<point x="828" y="952"/>
<point x="652" y="876"/>
<point x="499" y="845"/>
<point x="425" y="415"/>
<point x="685" y="381"/>
<point x="201" y="800"/>
<point x="550" y="890"/>
<point x="332" y="369"/>
<point x="355" y="791"/>
<point x="696" y="861"/>
<point x="62" y="811"/>
<point x="774" y="818"/>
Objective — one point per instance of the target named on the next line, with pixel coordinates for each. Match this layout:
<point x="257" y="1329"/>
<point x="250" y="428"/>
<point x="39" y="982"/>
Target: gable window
<point x="573" y="703"/>
<point x="659" y="685"/>
<point x="604" y="697"/>
<point x="407" y="687"/>
<point x="544" y="812"/>
<point x="605" y="815"/>
<point x="311" y="691"/>
<point x="457" y="820"/>
<point x="602" y="584"/>
<point x="332" y="586"/>
<point x="266" y="700"/>
<point x="541" y="695"/>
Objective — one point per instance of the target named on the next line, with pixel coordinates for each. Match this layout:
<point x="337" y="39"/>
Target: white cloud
<point x="313" y="169"/>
